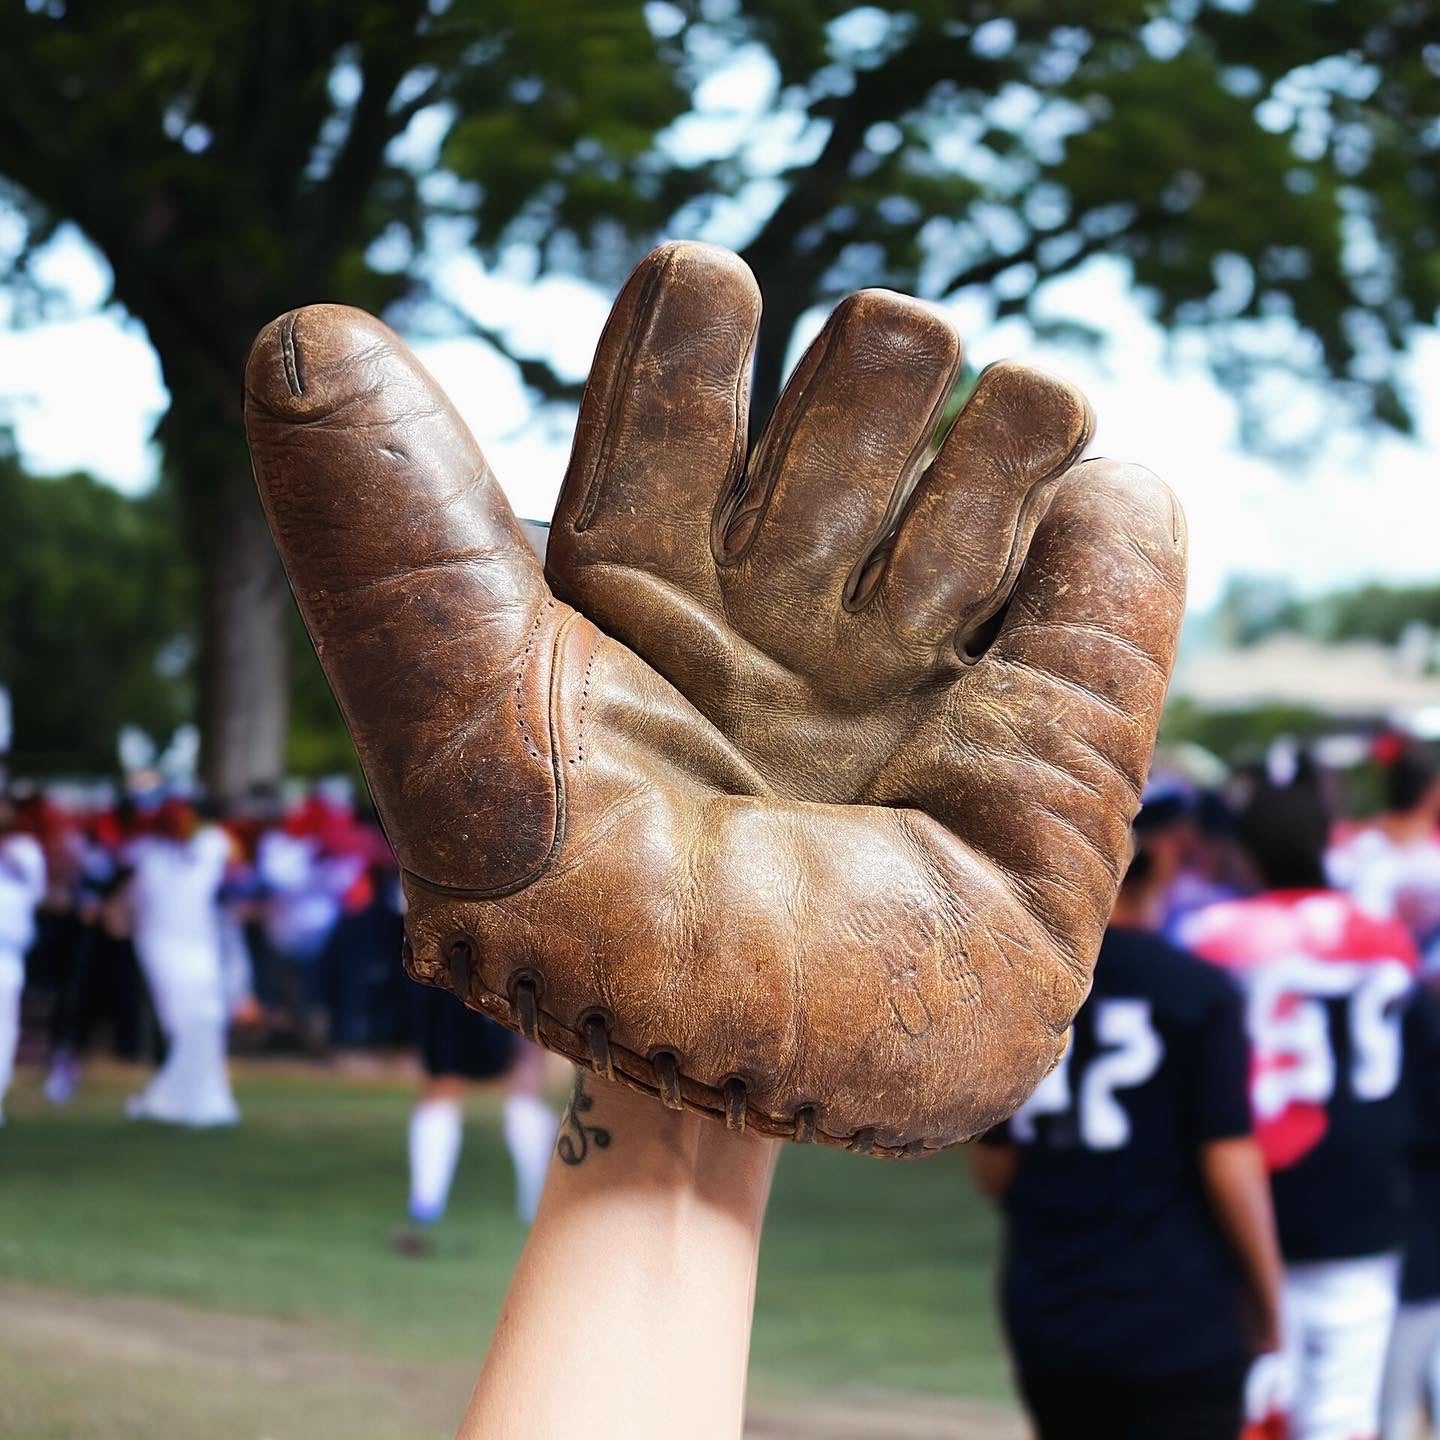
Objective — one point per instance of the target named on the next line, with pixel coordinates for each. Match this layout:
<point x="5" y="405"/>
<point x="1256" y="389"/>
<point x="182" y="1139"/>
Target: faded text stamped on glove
<point x="796" y="788"/>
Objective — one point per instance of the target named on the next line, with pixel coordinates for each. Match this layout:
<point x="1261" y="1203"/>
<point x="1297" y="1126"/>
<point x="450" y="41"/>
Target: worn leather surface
<point x="796" y="791"/>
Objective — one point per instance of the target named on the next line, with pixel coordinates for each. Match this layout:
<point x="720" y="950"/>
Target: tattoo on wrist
<point x="576" y="1137"/>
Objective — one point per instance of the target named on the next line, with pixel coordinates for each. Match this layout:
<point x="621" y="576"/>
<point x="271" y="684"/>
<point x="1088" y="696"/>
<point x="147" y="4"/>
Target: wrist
<point x="649" y="1227"/>
<point x="1268" y="1337"/>
<point x="612" y="1137"/>
<point x="1264" y="1327"/>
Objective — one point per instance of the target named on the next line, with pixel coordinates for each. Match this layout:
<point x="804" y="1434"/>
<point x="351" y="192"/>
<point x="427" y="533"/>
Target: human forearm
<point x="993" y="1168"/>
<point x="1239" y="1190"/>
<point x="629" y="1314"/>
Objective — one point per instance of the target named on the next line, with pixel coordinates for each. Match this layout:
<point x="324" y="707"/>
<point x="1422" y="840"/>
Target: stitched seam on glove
<point x="457" y="892"/>
<point x="632" y="1068"/>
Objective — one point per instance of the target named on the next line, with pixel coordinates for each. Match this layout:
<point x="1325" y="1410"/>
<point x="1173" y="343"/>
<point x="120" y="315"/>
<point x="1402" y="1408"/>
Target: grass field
<point x="244" y="1262"/>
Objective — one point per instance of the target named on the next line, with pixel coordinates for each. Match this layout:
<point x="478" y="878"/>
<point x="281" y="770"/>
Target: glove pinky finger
<point x="1064" y="706"/>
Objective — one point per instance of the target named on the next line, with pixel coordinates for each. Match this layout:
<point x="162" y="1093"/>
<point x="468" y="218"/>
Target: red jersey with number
<point x="1326" y="999"/>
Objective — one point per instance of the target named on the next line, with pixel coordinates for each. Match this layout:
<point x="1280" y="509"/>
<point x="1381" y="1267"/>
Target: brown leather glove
<point x="810" y="812"/>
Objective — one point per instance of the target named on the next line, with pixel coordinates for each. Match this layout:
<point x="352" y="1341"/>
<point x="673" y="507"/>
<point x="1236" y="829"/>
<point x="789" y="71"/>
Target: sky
<point x="85" y="392"/>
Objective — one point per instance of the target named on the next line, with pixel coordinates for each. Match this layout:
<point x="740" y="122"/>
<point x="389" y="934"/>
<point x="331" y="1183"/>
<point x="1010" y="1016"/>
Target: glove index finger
<point x="418" y="588"/>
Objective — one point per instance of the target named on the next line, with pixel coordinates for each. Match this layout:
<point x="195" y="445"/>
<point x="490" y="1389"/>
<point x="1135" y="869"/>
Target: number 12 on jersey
<point x="1128" y="1052"/>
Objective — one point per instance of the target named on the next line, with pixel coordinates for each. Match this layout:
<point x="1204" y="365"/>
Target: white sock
<point x="12" y="982"/>
<point x="530" y="1126"/>
<point x="435" y="1131"/>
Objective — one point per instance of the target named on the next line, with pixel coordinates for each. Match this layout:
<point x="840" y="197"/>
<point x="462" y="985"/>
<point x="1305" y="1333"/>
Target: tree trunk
<point x="769" y="371"/>
<point x="244" y="679"/>
<point x="242" y="674"/>
<point x="785" y="303"/>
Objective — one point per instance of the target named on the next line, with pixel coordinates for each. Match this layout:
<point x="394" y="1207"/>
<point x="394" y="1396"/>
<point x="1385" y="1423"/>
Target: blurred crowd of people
<point x="169" y="929"/>
<point x="1223" y="1206"/>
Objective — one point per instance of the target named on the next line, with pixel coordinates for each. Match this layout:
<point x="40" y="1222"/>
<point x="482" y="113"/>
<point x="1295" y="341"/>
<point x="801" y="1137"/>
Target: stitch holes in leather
<point x="576" y="654"/>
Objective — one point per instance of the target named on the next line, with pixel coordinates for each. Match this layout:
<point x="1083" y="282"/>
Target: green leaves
<point x="1269" y="172"/>
<point x="1248" y="162"/>
<point x="95" y="627"/>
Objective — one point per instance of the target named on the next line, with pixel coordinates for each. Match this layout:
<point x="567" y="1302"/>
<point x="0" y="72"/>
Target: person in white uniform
<point x="1390" y="865"/>
<point x="174" y="895"/>
<point x="22" y="888"/>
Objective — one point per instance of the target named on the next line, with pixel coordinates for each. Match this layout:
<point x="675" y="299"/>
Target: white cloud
<point x="84" y="394"/>
<point x="1362" y="508"/>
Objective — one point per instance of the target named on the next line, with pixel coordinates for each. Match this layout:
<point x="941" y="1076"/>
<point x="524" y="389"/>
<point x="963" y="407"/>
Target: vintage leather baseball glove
<point x="796" y="790"/>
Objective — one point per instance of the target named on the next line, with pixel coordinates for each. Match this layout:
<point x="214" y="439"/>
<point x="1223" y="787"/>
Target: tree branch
<point x="917" y="67"/>
<point x="986" y="270"/>
<point x="373" y="125"/>
<point x="535" y="373"/>
<point x="432" y="94"/>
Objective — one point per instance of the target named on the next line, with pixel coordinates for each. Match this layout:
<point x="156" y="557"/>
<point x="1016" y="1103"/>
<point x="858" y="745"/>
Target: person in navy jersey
<point x="1141" y="1272"/>
<point x="1411" y="1390"/>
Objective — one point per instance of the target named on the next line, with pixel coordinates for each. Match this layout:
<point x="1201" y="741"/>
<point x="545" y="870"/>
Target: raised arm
<point x="629" y="1314"/>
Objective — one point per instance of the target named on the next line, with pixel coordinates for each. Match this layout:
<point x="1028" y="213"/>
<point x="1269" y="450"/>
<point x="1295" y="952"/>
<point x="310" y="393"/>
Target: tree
<point x="1274" y="162"/>
<point x="1366" y="612"/>
<point x="231" y="161"/>
<point x="95" y="629"/>
<point x="1240" y="737"/>
<point x="1267" y="172"/>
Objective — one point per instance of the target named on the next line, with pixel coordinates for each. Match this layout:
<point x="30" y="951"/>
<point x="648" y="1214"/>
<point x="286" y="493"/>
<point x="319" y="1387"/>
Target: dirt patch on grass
<point x="74" y="1366"/>
<point x="882" y="1417"/>
<point x="117" y="1366"/>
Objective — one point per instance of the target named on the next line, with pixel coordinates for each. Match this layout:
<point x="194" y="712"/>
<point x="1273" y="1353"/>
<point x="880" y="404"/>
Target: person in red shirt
<point x="1335" y="1080"/>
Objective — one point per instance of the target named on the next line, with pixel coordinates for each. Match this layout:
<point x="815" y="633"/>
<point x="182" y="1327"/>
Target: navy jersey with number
<point x="1420" y="1278"/>
<point x="1114" y="1262"/>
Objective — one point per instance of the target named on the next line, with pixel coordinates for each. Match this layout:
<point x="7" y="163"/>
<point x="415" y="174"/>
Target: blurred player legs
<point x="460" y="1047"/>
<point x="1338" y="1315"/>
<point x="435" y="1136"/>
<point x="192" y="1087"/>
<point x="530" y="1126"/>
<point x="1412" y="1373"/>
<point x="12" y="982"/>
